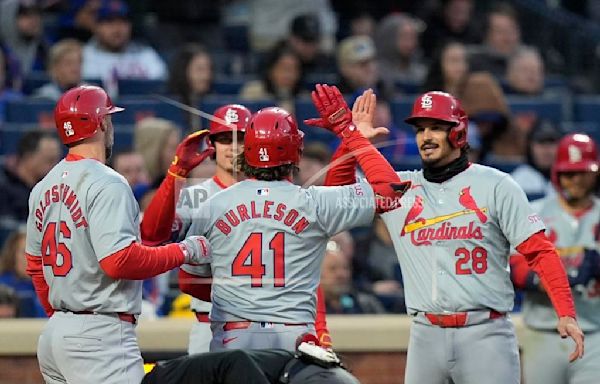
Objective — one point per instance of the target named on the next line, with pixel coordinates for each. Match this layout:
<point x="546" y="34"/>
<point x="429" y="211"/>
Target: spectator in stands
<point x="21" y="32"/>
<point x="489" y="118"/>
<point x="448" y="70"/>
<point x="453" y="22"/>
<point x="315" y="159"/>
<point x="542" y="142"/>
<point x="7" y="93"/>
<point x="13" y="273"/>
<point x="398" y="51"/>
<point x="525" y="72"/>
<point x="37" y="153"/>
<point x="305" y="39"/>
<point x="281" y="79"/>
<point x="64" y="67"/>
<point x="270" y="20"/>
<point x="111" y="54"/>
<point x="78" y="19"/>
<point x="336" y="282"/>
<point x="356" y="64"/>
<point x="156" y="140"/>
<point x="502" y="39"/>
<point x="130" y="165"/>
<point x="8" y="302"/>
<point x="191" y="78"/>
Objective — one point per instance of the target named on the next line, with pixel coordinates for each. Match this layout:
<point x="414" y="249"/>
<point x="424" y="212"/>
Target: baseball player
<point x="270" y="235"/>
<point x="572" y="216"/>
<point x="83" y="252"/>
<point x="452" y="236"/>
<point x="159" y="225"/>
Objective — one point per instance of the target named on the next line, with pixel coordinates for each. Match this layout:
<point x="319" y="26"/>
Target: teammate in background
<point x="166" y="221"/>
<point x="452" y="236"/>
<point x="83" y="253"/>
<point x="572" y="217"/>
<point x="270" y="234"/>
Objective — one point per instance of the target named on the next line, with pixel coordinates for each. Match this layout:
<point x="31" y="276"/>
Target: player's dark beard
<point x="440" y="174"/>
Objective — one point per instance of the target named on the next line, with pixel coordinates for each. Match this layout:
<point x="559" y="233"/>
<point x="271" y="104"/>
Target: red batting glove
<point x="335" y="114"/>
<point x="187" y="156"/>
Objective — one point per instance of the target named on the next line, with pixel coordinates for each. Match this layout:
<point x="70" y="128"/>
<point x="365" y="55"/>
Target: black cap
<point x="28" y="7"/>
<point x="545" y="131"/>
<point x="306" y="27"/>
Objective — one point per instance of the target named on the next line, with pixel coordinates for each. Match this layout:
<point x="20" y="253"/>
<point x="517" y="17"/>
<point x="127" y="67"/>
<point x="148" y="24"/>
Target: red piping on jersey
<point x="36" y="271"/>
<point x="75" y="157"/>
<point x="219" y="182"/>
<point x="138" y="262"/>
<point x="543" y="259"/>
<point x="188" y="283"/>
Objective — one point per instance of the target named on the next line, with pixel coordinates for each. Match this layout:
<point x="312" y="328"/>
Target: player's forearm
<point x="36" y="272"/>
<point x="159" y="216"/>
<point x="544" y="260"/>
<point x="138" y="262"/>
<point x="342" y="169"/>
<point x="195" y="286"/>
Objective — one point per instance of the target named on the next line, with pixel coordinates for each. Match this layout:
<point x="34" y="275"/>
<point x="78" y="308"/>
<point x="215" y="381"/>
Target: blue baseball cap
<point x="112" y="9"/>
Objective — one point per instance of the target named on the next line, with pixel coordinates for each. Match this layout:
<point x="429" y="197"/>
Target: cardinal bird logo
<point x="467" y="201"/>
<point x="414" y="211"/>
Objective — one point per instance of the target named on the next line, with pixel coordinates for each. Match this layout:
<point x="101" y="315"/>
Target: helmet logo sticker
<point x="68" y="127"/>
<point x="426" y="102"/>
<point x="263" y="155"/>
<point x="231" y="116"/>
<point x="574" y="154"/>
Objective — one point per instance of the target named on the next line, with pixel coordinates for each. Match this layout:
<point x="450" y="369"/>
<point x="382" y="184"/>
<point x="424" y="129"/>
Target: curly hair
<point x="279" y="172"/>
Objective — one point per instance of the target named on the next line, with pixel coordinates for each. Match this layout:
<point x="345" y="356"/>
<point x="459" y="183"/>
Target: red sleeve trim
<point x="159" y="216"/>
<point x="545" y="261"/>
<point x="36" y="271"/>
<point x="138" y="262"/>
<point x="195" y="286"/>
<point x="321" y="320"/>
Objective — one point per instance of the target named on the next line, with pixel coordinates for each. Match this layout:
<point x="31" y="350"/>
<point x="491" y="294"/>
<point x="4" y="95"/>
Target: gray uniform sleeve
<point x="113" y="219"/>
<point x="517" y="219"/>
<point x="345" y="207"/>
<point x="33" y="238"/>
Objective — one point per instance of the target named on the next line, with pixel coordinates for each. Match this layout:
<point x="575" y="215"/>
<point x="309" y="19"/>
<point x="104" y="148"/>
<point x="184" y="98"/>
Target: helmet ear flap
<point x="458" y="133"/>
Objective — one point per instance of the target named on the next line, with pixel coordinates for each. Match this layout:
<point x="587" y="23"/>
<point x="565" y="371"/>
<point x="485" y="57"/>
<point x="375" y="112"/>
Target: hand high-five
<point x="363" y="115"/>
<point x="335" y="114"/>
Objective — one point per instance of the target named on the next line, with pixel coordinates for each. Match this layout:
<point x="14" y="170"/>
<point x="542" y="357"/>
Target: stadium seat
<point x="33" y="81"/>
<point x="31" y="111"/>
<point x="552" y="107"/>
<point x="141" y="87"/>
<point x="587" y="108"/>
<point x="210" y="104"/>
<point x="304" y="109"/>
<point x="401" y="108"/>
<point x="230" y="85"/>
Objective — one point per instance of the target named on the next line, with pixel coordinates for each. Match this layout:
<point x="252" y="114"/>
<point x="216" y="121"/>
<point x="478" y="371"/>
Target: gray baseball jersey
<point x="268" y="241"/>
<point x="453" y="239"/>
<point x="570" y="235"/>
<point x="188" y="207"/>
<point x="80" y="213"/>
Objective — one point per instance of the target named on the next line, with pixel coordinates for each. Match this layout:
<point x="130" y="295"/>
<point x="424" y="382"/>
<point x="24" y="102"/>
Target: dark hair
<point x="178" y="83"/>
<point x="504" y="9"/>
<point x="7" y="295"/>
<point x="279" y="172"/>
<point x="269" y="62"/>
<point x="434" y="81"/>
<point x="30" y="142"/>
<point x="8" y="252"/>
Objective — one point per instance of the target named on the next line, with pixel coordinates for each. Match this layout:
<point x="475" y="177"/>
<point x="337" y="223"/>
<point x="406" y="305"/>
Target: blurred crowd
<point x="477" y="51"/>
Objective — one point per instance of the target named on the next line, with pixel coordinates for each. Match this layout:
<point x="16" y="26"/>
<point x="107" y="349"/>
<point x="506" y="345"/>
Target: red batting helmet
<point x="79" y="112"/>
<point x="272" y="139"/>
<point x="235" y="117"/>
<point x="445" y="107"/>
<point x="577" y="152"/>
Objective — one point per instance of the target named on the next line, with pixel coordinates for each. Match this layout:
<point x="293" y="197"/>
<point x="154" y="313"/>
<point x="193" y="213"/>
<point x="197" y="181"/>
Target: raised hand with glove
<point x="336" y="116"/>
<point x="155" y="230"/>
